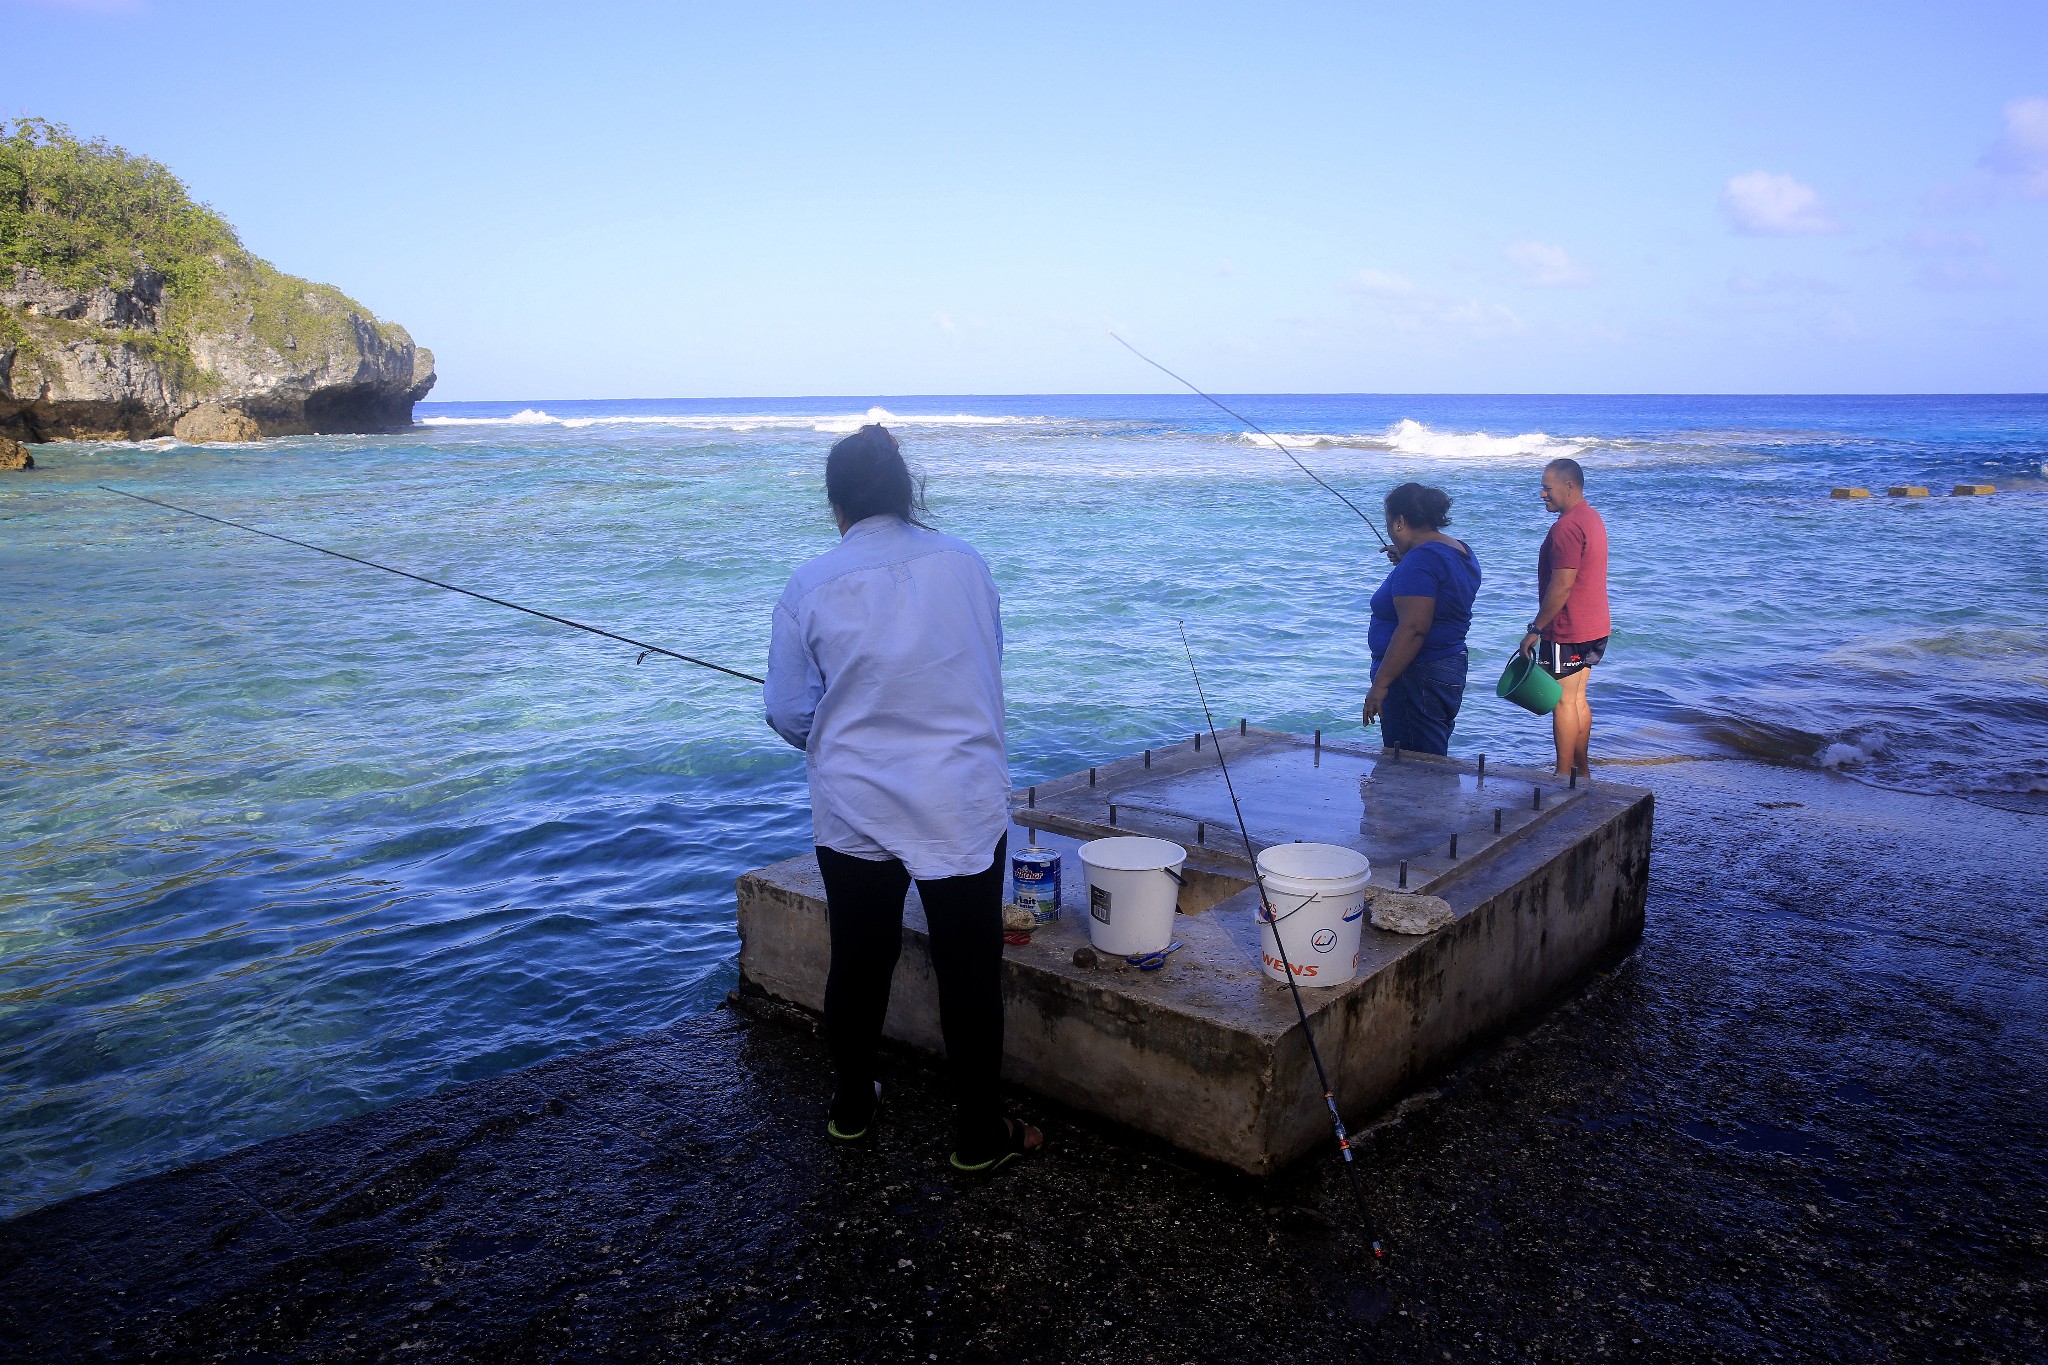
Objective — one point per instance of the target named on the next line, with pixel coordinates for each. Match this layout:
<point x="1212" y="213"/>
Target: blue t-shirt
<point x="1431" y="569"/>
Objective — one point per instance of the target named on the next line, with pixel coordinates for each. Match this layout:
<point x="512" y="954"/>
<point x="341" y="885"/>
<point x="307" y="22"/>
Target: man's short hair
<point x="1570" y="469"/>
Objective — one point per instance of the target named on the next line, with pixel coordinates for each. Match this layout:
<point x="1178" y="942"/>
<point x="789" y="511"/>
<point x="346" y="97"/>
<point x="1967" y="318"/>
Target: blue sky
<point x="642" y="200"/>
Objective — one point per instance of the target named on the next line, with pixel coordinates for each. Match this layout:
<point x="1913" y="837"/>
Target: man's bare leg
<point x="1583" y="759"/>
<point x="1571" y="724"/>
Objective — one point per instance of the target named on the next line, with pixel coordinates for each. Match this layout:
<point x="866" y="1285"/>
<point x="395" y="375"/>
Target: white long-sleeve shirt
<point x="886" y="669"/>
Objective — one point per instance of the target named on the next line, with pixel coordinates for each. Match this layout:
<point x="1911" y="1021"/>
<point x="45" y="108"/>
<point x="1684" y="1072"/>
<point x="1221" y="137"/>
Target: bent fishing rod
<point x="1278" y="445"/>
<point x="1294" y="987"/>
<point x="641" y="645"/>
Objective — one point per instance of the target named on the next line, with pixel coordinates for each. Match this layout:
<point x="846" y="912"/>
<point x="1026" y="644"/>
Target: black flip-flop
<point x="1017" y="1131"/>
<point x="838" y="1134"/>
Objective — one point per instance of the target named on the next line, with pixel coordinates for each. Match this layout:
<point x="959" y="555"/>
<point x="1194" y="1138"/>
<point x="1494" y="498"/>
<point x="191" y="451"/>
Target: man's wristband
<point x="1535" y="629"/>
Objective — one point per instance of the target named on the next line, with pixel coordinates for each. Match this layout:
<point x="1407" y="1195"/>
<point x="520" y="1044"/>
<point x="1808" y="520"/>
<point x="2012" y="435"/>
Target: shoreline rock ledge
<point x="128" y="311"/>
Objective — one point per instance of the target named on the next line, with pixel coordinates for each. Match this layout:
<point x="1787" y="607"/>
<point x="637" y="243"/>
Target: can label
<point x="1035" y="873"/>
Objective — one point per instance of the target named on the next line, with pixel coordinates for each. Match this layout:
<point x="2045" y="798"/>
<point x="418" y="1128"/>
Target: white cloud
<point x="2021" y="155"/>
<point x="1962" y="274"/>
<point x="1839" y="324"/>
<point x="1935" y="242"/>
<point x="1382" y="284"/>
<point x="1411" y="308"/>
<point x="1544" y="266"/>
<point x="1953" y="260"/>
<point x="1762" y="204"/>
<point x="93" y="6"/>
<point x="1777" y="282"/>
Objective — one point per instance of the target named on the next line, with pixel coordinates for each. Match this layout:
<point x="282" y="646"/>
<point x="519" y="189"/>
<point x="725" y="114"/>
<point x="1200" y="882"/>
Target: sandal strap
<point x="1017" y="1134"/>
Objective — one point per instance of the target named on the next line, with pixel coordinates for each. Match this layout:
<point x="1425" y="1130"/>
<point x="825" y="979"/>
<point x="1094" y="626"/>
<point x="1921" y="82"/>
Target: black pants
<point x="864" y="901"/>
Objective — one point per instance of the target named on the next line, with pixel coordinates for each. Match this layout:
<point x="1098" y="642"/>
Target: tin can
<point x="1035" y="873"/>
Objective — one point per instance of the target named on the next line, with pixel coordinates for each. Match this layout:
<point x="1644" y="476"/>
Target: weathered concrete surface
<point x="1797" y="1124"/>
<point x="1208" y="1052"/>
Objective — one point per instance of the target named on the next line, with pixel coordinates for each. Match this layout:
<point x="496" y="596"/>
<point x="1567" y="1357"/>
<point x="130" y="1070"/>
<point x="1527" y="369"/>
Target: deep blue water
<point x="282" y="838"/>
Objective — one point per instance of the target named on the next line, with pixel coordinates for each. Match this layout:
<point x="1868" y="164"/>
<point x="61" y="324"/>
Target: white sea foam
<point x="829" y="423"/>
<point x="1413" y="438"/>
<point x="1850" y="755"/>
<point x="1410" y="437"/>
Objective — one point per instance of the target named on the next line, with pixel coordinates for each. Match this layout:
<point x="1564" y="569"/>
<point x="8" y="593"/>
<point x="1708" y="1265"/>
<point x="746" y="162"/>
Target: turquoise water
<point x="282" y="838"/>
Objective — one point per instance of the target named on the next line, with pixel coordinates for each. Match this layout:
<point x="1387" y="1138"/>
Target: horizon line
<point x="1273" y="393"/>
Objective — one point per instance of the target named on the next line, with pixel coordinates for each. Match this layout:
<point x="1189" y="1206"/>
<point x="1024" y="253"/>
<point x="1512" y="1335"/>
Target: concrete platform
<point x="1207" y="1052"/>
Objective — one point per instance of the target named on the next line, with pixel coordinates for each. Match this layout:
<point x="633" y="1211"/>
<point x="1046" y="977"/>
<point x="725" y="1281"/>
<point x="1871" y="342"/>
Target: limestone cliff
<point x="128" y="311"/>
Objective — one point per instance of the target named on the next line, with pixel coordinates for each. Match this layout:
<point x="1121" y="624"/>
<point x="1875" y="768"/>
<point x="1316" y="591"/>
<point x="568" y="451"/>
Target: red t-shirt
<point x="1577" y="540"/>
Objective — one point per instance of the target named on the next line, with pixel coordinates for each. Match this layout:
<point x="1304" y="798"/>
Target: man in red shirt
<point x="1571" y="623"/>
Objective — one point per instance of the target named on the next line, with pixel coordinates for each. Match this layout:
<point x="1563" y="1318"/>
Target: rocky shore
<point x="97" y="364"/>
<point x="1802" y="1122"/>
<point x="128" y="311"/>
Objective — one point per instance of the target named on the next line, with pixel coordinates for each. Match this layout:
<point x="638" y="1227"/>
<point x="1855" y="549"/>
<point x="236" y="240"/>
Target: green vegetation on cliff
<point x="86" y="215"/>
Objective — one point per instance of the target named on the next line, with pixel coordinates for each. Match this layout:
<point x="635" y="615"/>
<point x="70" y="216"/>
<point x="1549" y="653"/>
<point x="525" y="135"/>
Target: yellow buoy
<point x="1908" y="490"/>
<point x="1849" y="492"/>
<point x="1973" y="490"/>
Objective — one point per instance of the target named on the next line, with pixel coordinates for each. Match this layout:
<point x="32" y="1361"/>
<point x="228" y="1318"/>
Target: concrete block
<point x="1849" y="492"/>
<point x="1906" y="490"/>
<point x="1207" y="1052"/>
<point x="1973" y="490"/>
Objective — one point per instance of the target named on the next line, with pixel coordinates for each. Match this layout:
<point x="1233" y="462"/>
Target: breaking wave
<point x="1410" y="437"/>
<point x="1851" y="753"/>
<point x="828" y="423"/>
<point x="1960" y="711"/>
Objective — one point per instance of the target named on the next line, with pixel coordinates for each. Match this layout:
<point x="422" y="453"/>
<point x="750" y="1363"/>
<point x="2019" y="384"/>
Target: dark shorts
<point x="1422" y="705"/>
<point x="1561" y="661"/>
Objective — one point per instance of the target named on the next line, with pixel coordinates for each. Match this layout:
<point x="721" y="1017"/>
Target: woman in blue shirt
<point x="1419" y="618"/>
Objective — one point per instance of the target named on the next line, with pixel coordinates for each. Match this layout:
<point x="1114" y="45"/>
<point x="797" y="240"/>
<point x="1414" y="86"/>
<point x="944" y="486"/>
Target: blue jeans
<point x="1422" y="705"/>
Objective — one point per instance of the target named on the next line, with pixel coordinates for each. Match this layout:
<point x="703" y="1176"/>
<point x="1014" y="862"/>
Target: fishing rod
<point x="1277" y="444"/>
<point x="1293" y="986"/>
<point x="641" y="645"/>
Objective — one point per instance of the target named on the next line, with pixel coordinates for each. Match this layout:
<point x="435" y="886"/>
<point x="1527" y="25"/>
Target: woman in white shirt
<point x="886" y="669"/>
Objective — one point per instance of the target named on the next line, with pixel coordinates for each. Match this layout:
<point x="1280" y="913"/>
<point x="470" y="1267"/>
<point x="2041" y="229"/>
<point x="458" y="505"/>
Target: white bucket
<point x="1315" y="908"/>
<point x="1131" y="899"/>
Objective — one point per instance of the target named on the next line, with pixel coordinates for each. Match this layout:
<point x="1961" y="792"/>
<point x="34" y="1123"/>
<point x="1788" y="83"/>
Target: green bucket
<point x="1526" y="685"/>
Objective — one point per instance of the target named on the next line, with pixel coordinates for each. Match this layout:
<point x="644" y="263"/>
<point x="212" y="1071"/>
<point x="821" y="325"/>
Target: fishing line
<point x="641" y="645"/>
<point x="1277" y="444"/>
<point x="1308" y="1033"/>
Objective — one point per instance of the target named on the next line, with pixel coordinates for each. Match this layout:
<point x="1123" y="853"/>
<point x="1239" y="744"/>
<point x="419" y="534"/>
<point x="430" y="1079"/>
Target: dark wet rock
<point x="1798" y="1124"/>
<point x="14" y="455"/>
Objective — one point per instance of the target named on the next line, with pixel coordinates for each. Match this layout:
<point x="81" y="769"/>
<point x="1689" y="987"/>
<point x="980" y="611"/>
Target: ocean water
<point x="283" y="838"/>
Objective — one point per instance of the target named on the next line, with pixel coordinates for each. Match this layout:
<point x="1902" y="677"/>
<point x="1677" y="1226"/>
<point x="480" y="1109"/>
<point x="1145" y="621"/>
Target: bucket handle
<point x="1275" y="919"/>
<point x="1267" y="917"/>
